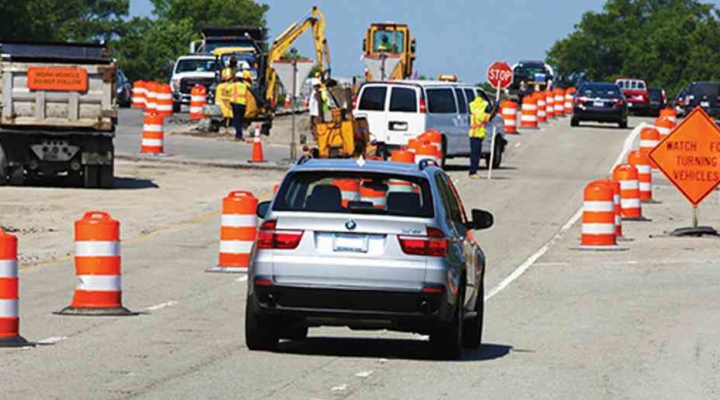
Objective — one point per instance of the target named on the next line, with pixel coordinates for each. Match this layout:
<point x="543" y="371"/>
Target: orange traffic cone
<point x="257" y="152"/>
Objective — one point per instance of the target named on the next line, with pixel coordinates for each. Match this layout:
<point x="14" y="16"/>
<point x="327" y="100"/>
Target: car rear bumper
<point x="598" y="114"/>
<point x="404" y="310"/>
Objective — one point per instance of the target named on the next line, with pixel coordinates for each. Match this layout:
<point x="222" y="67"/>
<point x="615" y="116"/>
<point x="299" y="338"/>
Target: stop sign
<point x="500" y="74"/>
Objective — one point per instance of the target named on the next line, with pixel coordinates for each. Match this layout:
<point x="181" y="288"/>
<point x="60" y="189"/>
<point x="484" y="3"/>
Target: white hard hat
<point x="314" y="82"/>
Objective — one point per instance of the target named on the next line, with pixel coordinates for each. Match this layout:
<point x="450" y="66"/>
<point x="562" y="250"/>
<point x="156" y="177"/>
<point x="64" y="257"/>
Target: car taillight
<point x="423" y="107"/>
<point x="619" y="103"/>
<point x="270" y="238"/>
<point x="433" y="244"/>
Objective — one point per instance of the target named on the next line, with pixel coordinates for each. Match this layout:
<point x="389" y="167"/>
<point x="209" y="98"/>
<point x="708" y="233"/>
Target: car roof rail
<point x="427" y="163"/>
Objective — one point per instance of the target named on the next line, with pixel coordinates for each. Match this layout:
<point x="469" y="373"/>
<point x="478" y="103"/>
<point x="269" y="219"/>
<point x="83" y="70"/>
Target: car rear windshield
<point x="403" y="100"/>
<point x="600" y="91"/>
<point x="373" y="98"/>
<point x="632" y="85"/>
<point x="355" y="193"/>
<point x="705" y="89"/>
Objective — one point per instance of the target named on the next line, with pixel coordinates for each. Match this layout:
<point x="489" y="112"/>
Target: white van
<point x="398" y="111"/>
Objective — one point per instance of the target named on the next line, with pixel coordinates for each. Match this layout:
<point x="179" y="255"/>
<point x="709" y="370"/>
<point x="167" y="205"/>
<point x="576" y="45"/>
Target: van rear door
<point x="405" y="121"/>
<point x="371" y="105"/>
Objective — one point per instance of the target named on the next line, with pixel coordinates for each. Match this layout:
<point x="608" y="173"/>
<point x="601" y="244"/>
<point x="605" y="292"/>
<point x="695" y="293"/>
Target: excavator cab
<point x="342" y="136"/>
<point x="393" y="39"/>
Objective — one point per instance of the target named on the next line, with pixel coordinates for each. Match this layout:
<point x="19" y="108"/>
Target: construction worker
<point x="314" y="105"/>
<point x="384" y="44"/>
<point x="479" y="118"/>
<point x="240" y="91"/>
<point x="229" y="71"/>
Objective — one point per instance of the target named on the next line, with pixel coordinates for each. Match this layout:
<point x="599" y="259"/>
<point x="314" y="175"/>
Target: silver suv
<point x="368" y="245"/>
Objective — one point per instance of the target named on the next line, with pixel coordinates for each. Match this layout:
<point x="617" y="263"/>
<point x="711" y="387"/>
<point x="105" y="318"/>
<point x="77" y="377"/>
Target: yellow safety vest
<point x="239" y="93"/>
<point x="227" y="73"/>
<point x="478" y="118"/>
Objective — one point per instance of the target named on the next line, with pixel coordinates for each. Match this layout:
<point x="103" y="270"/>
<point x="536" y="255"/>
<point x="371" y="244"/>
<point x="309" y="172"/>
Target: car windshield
<point x="355" y="193"/>
<point x="195" y="65"/>
<point x="600" y="91"/>
<point x="530" y="69"/>
<point x="389" y="40"/>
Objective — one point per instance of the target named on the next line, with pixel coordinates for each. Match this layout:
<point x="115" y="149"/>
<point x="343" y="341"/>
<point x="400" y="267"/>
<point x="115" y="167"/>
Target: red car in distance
<point x="636" y="93"/>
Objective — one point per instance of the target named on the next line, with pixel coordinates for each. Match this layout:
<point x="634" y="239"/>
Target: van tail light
<point x="433" y="289"/>
<point x="270" y="238"/>
<point x="433" y="244"/>
<point x="263" y="281"/>
<point x="355" y="99"/>
<point x="423" y="106"/>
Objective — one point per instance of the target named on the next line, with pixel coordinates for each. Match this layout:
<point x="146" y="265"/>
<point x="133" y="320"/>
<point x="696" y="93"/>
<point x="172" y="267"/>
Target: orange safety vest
<point x="239" y="93"/>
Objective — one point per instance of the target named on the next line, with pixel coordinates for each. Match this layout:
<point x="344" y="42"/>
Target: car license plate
<point x="350" y="243"/>
<point x="705" y="104"/>
<point x="598" y="104"/>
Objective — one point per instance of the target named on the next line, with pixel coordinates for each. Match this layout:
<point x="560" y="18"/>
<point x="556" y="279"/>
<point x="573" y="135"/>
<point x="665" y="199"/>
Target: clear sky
<point x="453" y="36"/>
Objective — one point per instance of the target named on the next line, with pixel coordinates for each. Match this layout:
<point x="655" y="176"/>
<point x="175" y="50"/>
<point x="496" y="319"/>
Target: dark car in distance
<point x="600" y="102"/>
<point x="657" y="100"/>
<point x="124" y="90"/>
<point x="705" y="95"/>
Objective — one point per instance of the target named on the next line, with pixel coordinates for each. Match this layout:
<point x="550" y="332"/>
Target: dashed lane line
<point x="522" y="268"/>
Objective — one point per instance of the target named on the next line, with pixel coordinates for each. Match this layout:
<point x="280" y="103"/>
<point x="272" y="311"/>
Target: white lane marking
<point x="552" y="264"/>
<point x="517" y="145"/>
<point x="51" y="340"/>
<point x="161" y="306"/>
<point x="242" y="279"/>
<point x="340" y="388"/>
<point x="520" y="270"/>
<point x="363" y="374"/>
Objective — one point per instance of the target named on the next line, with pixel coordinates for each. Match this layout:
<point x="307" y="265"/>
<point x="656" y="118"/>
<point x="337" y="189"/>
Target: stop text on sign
<point x="57" y="79"/>
<point x="690" y="156"/>
<point x="500" y="74"/>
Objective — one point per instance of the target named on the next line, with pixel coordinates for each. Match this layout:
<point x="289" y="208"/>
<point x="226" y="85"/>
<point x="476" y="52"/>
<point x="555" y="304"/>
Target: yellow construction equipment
<point x="342" y="136"/>
<point x="394" y="40"/>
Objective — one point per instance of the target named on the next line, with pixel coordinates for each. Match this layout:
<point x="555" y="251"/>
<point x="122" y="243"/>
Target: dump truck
<point x="58" y="113"/>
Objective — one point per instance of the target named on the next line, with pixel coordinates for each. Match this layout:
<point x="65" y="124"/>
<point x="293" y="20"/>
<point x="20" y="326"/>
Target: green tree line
<point x="669" y="43"/>
<point x="144" y="47"/>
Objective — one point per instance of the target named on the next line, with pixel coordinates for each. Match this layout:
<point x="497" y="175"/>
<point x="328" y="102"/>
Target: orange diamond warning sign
<point x="690" y="156"/>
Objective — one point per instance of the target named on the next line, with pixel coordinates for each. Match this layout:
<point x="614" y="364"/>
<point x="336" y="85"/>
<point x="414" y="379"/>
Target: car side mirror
<point x="262" y="209"/>
<point x="481" y="219"/>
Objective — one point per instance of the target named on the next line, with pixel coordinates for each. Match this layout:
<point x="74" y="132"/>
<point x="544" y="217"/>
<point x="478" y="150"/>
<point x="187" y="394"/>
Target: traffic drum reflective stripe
<point x="649" y="139"/>
<point x="630" y="205"/>
<point x="669" y="113"/>
<point x="509" y="114"/>
<point x="541" y="108"/>
<point x="9" y="287"/>
<point x="598" y="219"/>
<point x="642" y="163"/>
<point x="559" y="102"/>
<point x="139" y="93"/>
<point x="151" y="96"/>
<point x="664" y="126"/>
<point x="528" y="113"/>
<point x="435" y="139"/>
<point x="164" y="101"/>
<point x="550" y="104"/>
<point x="425" y="151"/>
<point x="152" y="135"/>
<point x="569" y="95"/>
<point x="97" y="262"/>
<point x="238" y="229"/>
<point x="198" y="99"/>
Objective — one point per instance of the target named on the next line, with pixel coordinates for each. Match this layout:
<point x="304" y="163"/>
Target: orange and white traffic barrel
<point x="97" y="266"/>
<point x="598" y="218"/>
<point x="9" y="289"/>
<point x="349" y="189"/>
<point x="151" y="93"/>
<point x="152" y="134"/>
<point x="425" y="151"/>
<point x="396" y="185"/>
<point x="618" y="206"/>
<point x="378" y="197"/>
<point x="669" y="113"/>
<point x="569" y="96"/>
<point x="642" y="163"/>
<point x="630" y="204"/>
<point x="664" y="126"/>
<point x="541" y="107"/>
<point x="139" y="93"/>
<point x="509" y="113"/>
<point x="238" y="229"/>
<point x="164" y="100"/>
<point x="413" y="145"/>
<point x="550" y="104"/>
<point x="434" y="138"/>
<point x="559" y="102"/>
<point x="198" y="99"/>
<point x="528" y="113"/>
<point x="649" y="139"/>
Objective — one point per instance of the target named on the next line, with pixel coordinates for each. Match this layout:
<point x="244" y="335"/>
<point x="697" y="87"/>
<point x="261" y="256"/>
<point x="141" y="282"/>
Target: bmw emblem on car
<point x="350" y="225"/>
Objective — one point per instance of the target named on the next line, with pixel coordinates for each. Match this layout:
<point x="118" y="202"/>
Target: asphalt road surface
<point x="560" y="323"/>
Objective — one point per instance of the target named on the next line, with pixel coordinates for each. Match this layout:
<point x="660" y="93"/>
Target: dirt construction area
<point x="149" y="197"/>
